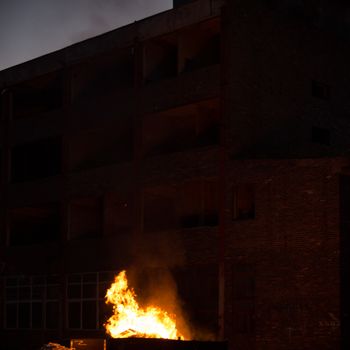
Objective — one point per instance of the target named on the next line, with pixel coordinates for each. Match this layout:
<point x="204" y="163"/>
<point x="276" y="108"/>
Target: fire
<point x="131" y="320"/>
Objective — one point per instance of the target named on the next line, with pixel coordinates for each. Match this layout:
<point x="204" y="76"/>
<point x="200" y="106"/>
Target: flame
<point x="131" y="320"/>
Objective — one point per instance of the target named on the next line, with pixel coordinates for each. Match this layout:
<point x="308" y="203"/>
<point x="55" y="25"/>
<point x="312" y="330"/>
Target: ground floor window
<point x="86" y="307"/>
<point x="31" y="302"/>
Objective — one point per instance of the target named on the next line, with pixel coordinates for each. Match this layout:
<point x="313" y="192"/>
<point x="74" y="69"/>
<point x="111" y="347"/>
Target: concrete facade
<point x="203" y="149"/>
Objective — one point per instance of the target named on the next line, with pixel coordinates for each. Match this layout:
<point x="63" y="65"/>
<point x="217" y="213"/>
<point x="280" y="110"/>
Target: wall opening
<point x="36" y="160"/>
<point x="38" y="96"/>
<point x="182" y="128"/>
<point x="103" y="75"/>
<point x="35" y="224"/>
<point x="160" y="58"/>
<point x="199" y="46"/>
<point x="103" y="146"/>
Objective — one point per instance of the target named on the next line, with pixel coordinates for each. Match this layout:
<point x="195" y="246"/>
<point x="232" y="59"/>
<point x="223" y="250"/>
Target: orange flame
<point x="131" y="320"/>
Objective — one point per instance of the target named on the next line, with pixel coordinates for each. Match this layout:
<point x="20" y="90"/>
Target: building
<point x="206" y="145"/>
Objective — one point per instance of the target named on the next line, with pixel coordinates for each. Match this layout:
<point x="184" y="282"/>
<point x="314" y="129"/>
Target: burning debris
<point x="54" y="346"/>
<point x="132" y="320"/>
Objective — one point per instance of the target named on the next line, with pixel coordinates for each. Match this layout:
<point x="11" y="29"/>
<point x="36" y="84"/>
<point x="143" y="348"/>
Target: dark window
<point x="29" y="304"/>
<point x="243" y="206"/>
<point x="321" y="136"/>
<point x="85" y="294"/>
<point x="36" y="160"/>
<point x="320" y="90"/>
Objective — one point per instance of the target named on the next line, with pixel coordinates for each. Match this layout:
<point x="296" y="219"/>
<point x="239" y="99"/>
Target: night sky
<point x="31" y="28"/>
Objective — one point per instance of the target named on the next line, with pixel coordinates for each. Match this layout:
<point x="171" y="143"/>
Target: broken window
<point x="35" y="224"/>
<point x="36" y="160"/>
<point x="86" y="217"/>
<point x="243" y="206"/>
<point x="38" y="96"/>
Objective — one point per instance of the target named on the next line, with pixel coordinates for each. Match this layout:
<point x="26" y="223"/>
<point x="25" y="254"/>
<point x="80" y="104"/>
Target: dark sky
<point x="31" y="28"/>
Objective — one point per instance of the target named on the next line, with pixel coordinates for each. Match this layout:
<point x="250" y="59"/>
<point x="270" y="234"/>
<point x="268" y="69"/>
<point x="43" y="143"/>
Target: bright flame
<point x="131" y="320"/>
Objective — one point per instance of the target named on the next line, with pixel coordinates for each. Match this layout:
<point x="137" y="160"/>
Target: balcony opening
<point x="35" y="224"/>
<point x="182" y="128"/>
<point x="38" y="96"/>
<point x="103" y="146"/>
<point x="160" y="58"/>
<point x="103" y="75"/>
<point x="199" y="46"/>
<point x="86" y="217"/>
<point x="36" y="160"/>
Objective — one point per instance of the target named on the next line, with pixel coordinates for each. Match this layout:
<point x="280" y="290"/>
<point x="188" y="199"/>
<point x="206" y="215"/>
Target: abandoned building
<point x="209" y="144"/>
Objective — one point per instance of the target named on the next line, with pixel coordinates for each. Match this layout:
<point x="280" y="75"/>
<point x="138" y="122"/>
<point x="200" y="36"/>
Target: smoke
<point x="155" y="258"/>
<point x="31" y="28"/>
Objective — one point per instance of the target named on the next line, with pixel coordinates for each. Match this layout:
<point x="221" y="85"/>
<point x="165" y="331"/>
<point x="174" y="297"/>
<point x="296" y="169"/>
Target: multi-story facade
<point x="204" y="147"/>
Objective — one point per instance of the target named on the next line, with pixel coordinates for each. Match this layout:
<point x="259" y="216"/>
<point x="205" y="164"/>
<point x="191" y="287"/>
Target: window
<point x="32" y="302"/>
<point x="243" y="206"/>
<point x="86" y="308"/>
